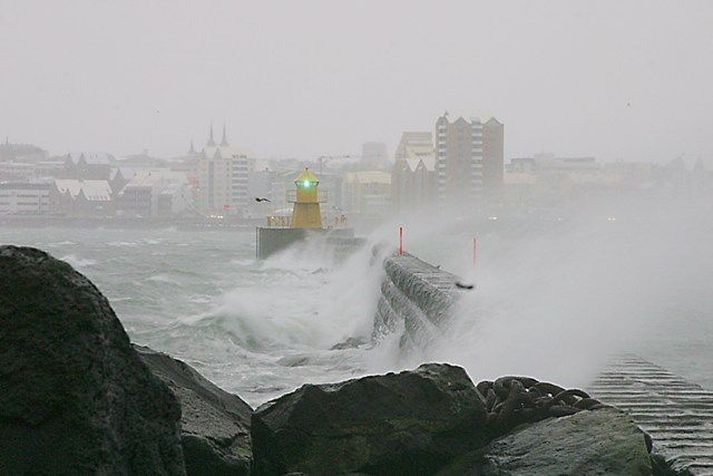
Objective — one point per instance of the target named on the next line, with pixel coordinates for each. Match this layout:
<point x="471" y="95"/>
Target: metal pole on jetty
<point x="401" y="241"/>
<point x="475" y="250"/>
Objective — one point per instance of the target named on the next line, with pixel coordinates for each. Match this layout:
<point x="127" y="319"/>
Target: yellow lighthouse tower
<point x="305" y="211"/>
<point x="306" y="222"/>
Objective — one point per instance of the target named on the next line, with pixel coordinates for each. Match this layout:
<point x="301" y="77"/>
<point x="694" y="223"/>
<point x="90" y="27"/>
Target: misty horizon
<point x="614" y="80"/>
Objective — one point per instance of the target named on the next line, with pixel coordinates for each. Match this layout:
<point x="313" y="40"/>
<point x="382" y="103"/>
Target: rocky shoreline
<point x="77" y="397"/>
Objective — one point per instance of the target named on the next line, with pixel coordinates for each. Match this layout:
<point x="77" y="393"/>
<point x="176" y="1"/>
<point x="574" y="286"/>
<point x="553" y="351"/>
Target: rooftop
<point x="94" y="190"/>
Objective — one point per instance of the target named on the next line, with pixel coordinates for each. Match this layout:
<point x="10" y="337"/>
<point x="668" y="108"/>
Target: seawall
<point x="415" y="295"/>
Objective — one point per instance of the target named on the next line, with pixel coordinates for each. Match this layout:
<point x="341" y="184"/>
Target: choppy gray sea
<point x="551" y="301"/>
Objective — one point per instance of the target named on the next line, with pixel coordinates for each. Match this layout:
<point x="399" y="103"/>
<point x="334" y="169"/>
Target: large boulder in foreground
<point x="215" y="425"/>
<point x="412" y="422"/>
<point x="75" y="397"/>
<point x="594" y="442"/>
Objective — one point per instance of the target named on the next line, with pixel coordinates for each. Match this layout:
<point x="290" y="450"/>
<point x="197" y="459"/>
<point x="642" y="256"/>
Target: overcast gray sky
<point x="614" y="79"/>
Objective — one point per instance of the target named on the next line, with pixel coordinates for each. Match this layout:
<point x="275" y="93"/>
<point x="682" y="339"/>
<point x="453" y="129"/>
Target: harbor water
<point x="263" y="328"/>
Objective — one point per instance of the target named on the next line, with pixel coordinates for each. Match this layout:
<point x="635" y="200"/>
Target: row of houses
<point x="147" y="193"/>
<point x="59" y="197"/>
<point x="459" y="163"/>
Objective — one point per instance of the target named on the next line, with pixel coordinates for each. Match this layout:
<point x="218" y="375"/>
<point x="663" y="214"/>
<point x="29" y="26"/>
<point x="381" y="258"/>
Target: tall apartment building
<point x="469" y="157"/>
<point x="493" y="154"/>
<point x="459" y="158"/>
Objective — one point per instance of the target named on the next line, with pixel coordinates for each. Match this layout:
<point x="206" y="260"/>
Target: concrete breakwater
<point x="416" y="296"/>
<point x="676" y="413"/>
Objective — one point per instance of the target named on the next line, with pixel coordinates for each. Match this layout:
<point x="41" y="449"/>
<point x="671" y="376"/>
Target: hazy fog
<point x="560" y="297"/>
<point x="611" y="79"/>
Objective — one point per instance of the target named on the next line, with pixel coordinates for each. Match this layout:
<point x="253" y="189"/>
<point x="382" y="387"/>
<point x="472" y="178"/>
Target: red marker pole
<point x="401" y="241"/>
<point x="475" y="250"/>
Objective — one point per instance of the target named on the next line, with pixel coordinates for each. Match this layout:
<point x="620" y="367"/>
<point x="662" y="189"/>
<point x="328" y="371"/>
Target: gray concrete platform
<point x="676" y="413"/>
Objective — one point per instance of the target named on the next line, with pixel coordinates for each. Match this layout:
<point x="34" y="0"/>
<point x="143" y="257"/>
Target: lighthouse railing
<point x="279" y="221"/>
<point x="321" y="196"/>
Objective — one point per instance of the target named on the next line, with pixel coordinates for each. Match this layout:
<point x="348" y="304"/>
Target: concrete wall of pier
<point x="416" y="296"/>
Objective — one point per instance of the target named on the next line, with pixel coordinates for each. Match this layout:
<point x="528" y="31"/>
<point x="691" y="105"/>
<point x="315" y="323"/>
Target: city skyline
<point x="562" y="75"/>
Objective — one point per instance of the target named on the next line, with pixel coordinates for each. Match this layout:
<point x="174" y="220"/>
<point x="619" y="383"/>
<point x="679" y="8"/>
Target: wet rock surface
<point x="215" y="425"/>
<point x="433" y="420"/>
<point x="412" y="422"/>
<point x="75" y="396"/>
<point x="597" y="442"/>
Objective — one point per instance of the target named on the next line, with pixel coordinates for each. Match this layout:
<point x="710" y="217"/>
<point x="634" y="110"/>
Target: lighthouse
<point x="305" y="209"/>
<point x="283" y="231"/>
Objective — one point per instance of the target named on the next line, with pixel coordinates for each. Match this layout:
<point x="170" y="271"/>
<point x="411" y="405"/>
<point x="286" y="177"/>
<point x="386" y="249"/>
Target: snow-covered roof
<point x="94" y="190"/>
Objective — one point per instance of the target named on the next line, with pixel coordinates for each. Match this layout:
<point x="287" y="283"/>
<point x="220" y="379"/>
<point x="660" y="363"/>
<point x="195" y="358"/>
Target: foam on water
<point x="78" y="262"/>
<point x="551" y="299"/>
<point x="300" y="299"/>
<point x="556" y="303"/>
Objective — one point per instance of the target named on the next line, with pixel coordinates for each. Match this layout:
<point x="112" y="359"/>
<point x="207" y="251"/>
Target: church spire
<point x="211" y="141"/>
<point x="192" y="150"/>
<point x="224" y="142"/>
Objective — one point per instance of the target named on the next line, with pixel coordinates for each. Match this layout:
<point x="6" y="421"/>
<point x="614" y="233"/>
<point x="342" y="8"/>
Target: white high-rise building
<point x="223" y="178"/>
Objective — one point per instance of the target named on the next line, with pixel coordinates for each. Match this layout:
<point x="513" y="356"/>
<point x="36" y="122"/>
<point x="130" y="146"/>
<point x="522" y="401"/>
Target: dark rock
<point x="75" y="398"/>
<point x="412" y="422"/>
<point x="592" y="442"/>
<point x="215" y="425"/>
